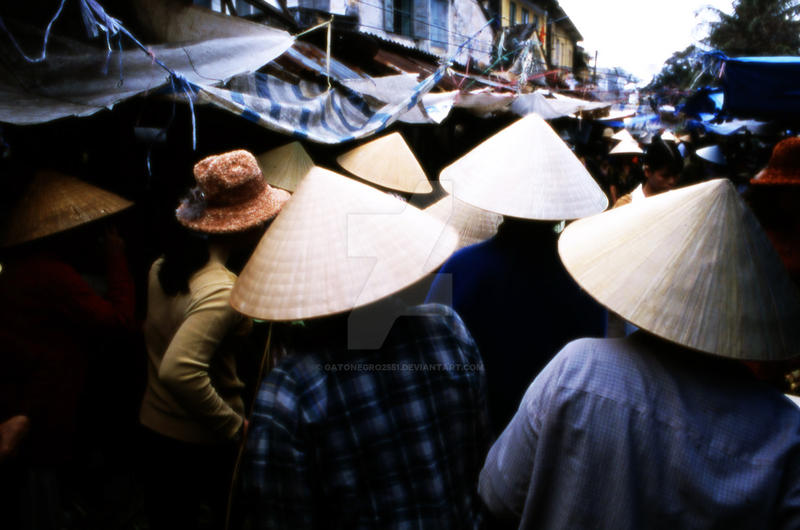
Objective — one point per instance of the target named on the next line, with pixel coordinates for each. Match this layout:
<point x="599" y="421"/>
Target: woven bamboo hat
<point x="626" y="147"/>
<point x="525" y="171"/>
<point x="472" y="224"/>
<point x="622" y="134"/>
<point x="388" y="162"/>
<point x="339" y="244"/>
<point x="692" y="266"/>
<point x="231" y="195"/>
<point x="284" y="166"/>
<point x="54" y="202"/>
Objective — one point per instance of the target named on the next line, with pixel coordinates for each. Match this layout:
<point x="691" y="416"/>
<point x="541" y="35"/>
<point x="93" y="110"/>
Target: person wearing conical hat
<point x="512" y="292"/>
<point x="376" y="416"/>
<point x="663" y="164"/>
<point x="666" y="428"/>
<point x="54" y="327"/>
<point x="388" y="162"/>
<point x="192" y="411"/>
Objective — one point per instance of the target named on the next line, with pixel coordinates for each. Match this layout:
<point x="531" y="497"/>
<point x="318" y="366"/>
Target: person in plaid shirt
<point x="348" y="432"/>
<point x="387" y="438"/>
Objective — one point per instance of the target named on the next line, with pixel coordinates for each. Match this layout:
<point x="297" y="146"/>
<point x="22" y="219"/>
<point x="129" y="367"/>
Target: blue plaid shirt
<point x="390" y="438"/>
<point x="637" y="434"/>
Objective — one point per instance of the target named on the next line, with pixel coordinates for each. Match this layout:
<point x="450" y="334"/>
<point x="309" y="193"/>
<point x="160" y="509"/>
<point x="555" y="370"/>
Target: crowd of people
<point x="614" y="356"/>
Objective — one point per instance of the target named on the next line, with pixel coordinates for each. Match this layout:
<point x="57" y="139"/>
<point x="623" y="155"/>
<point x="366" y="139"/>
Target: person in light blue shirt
<point x="637" y="433"/>
<point x="665" y="428"/>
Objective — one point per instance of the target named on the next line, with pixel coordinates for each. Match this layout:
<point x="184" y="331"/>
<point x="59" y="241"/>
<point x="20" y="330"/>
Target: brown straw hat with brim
<point x="622" y="134"/>
<point x="231" y="195"/>
<point x="626" y="147"/>
<point x="692" y="266"/>
<point x="284" y="166"/>
<point x="784" y="165"/>
<point x="388" y="162"/>
<point x="472" y="224"/>
<point x="525" y="171"/>
<point x="339" y="244"/>
<point x="54" y="202"/>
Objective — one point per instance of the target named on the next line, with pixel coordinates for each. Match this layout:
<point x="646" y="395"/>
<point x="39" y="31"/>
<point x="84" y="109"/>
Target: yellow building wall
<point x="505" y="9"/>
<point x="505" y="12"/>
<point x="565" y="47"/>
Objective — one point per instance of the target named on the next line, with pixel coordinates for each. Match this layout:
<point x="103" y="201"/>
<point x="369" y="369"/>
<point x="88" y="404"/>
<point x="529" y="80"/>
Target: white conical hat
<point x="668" y="136"/>
<point x="712" y="153"/>
<point x="626" y="147"/>
<point x="285" y="166"/>
<point x="622" y="134"/>
<point x="525" y="171"/>
<point x="54" y="202"/>
<point x="472" y="224"/>
<point x="336" y="245"/>
<point x="388" y="162"/>
<point x="692" y="266"/>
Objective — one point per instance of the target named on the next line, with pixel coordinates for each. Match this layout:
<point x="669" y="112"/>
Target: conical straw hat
<point x="388" y="162"/>
<point x="54" y="202"/>
<point x="622" y="134"/>
<point x="284" y="166"/>
<point x="525" y="171"/>
<point x="668" y="136"/>
<point x="712" y="153"/>
<point x="692" y="266"/>
<point x="472" y="224"/>
<point x="338" y="244"/>
<point x="626" y="147"/>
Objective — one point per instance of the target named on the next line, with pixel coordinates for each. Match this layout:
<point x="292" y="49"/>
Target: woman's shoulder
<point x="213" y="281"/>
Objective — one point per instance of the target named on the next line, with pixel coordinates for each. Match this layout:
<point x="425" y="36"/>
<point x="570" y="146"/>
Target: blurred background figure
<point x="663" y="165"/>
<point x="53" y="325"/>
<point x="626" y="165"/>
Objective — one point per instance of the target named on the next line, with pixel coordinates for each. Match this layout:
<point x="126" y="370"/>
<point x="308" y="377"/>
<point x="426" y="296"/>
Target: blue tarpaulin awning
<point x="761" y="87"/>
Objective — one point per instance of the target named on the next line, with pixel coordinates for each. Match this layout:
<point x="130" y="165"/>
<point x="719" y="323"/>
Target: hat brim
<point x="771" y="177"/>
<point x="54" y="203"/>
<point x="239" y="217"/>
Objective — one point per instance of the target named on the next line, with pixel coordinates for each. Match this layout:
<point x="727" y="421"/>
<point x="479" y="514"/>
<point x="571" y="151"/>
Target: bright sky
<point x="639" y="35"/>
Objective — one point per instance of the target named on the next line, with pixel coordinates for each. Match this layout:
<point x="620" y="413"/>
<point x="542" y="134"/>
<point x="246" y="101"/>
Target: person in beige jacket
<point x="192" y="410"/>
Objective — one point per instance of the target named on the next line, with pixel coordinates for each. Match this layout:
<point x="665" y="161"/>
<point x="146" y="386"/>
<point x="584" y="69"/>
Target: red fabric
<point x="50" y="320"/>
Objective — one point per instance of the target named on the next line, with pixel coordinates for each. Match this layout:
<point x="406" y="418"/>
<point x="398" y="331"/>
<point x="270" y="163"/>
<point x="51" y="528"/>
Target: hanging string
<point x="43" y="55"/>
<point x="97" y="20"/>
<point x="189" y="89"/>
<point x="309" y="30"/>
<point x="264" y="366"/>
<point x="328" y="53"/>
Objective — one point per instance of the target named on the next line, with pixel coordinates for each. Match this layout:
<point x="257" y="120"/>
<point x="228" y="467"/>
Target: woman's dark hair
<point x="185" y="252"/>
<point x="663" y="155"/>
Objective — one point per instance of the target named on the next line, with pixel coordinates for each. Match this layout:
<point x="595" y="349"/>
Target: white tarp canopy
<point x="78" y="80"/>
<point x="550" y="105"/>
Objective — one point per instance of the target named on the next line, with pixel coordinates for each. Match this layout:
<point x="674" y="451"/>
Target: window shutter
<point x="388" y="15"/>
<point x="421" y="16"/>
